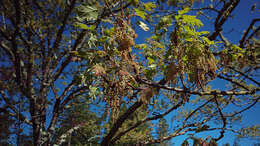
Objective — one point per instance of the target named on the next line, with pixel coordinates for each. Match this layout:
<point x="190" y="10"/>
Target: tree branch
<point x="106" y="140"/>
<point x="248" y="107"/>
<point x="68" y="11"/>
<point x="213" y="92"/>
<point x="234" y="82"/>
<point x="242" y="41"/>
<point x="223" y="119"/>
<point x="146" y="120"/>
<point x="177" y="132"/>
<point x="256" y="82"/>
<point x="23" y="118"/>
<point x="222" y="17"/>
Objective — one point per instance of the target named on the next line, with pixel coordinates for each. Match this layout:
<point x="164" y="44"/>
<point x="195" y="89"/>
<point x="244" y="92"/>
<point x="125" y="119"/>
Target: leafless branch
<point x="242" y="41"/>
<point x="68" y="11"/>
<point x="223" y="16"/>
<point x="243" y="74"/>
<point x="13" y="108"/>
<point x="248" y="107"/>
<point x="234" y="82"/>
<point x="223" y="119"/>
<point x="198" y="108"/>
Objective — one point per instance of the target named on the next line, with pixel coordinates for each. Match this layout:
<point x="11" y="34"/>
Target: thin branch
<point x="248" y="107"/>
<point x="242" y="41"/>
<point x="198" y="108"/>
<point x="23" y="118"/>
<point x="213" y="92"/>
<point x="253" y="33"/>
<point x="256" y="82"/>
<point x="226" y="42"/>
<point x="234" y="82"/>
<point x="106" y="140"/>
<point x="222" y="17"/>
<point x="7" y="51"/>
<point x="66" y="90"/>
<point x="54" y="91"/>
<point x="177" y="132"/>
<point x="76" y="45"/>
<point x="205" y="8"/>
<point x="68" y="11"/>
<point x="223" y="119"/>
<point x="146" y="120"/>
<point x="4" y="35"/>
<point x="59" y="106"/>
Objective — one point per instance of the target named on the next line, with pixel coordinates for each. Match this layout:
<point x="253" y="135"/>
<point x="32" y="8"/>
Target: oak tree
<point x="133" y="63"/>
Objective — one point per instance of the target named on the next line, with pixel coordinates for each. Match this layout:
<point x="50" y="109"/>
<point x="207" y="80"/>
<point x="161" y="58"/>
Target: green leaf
<point x="203" y="32"/>
<point x="207" y="41"/>
<point x="140" y="13"/>
<point x="84" y="26"/>
<point x="151" y="60"/>
<point x="158" y="45"/>
<point x="149" y="6"/>
<point x="93" y="92"/>
<point x="192" y="20"/>
<point x="141" y="46"/>
<point x="90" y="13"/>
<point x="185" y="10"/>
<point x="152" y="66"/>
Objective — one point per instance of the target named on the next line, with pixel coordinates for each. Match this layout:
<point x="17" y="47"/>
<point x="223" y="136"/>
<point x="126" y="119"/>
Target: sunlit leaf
<point x="84" y="26"/>
<point x="149" y="6"/>
<point x="185" y="10"/>
<point x="143" y="26"/>
<point x="140" y="13"/>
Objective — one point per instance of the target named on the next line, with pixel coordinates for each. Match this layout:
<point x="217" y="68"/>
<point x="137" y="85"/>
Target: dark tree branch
<point x="64" y="64"/>
<point x="223" y="119"/>
<point x="234" y="82"/>
<point x="243" y="39"/>
<point x="223" y="16"/>
<point x="213" y="92"/>
<point x="201" y="106"/>
<point x="206" y="8"/>
<point x="181" y="131"/>
<point x="4" y="35"/>
<point x="13" y="108"/>
<point x="146" y="120"/>
<point x="107" y="139"/>
<point x="253" y="33"/>
<point x="68" y="11"/>
<point x="243" y="74"/>
<point x="56" y="108"/>
<point x="248" y="107"/>
<point x="7" y="51"/>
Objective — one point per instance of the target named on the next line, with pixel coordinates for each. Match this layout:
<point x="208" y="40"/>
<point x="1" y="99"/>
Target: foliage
<point x="89" y="72"/>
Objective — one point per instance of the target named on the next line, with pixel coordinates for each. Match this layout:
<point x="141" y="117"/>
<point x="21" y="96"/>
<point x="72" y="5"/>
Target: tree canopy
<point x="126" y="72"/>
